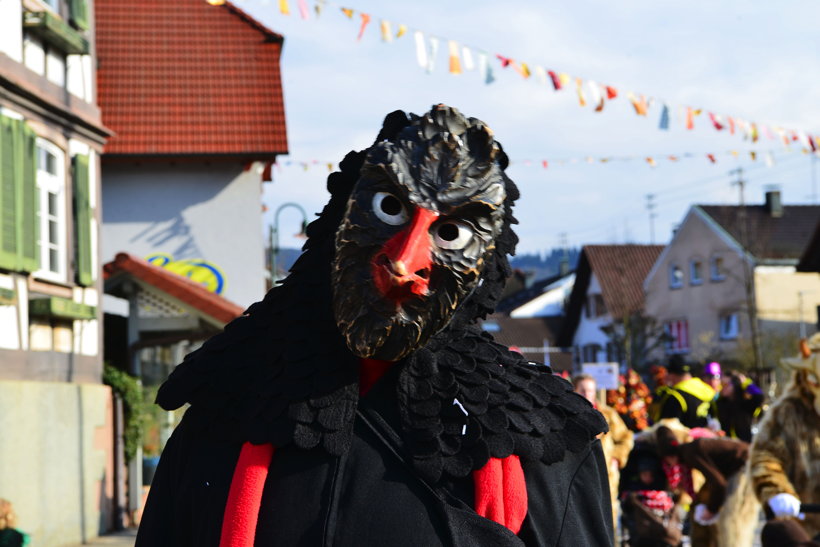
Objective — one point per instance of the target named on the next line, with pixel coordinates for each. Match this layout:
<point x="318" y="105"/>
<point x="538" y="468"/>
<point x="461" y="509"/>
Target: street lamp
<point x="274" y="236"/>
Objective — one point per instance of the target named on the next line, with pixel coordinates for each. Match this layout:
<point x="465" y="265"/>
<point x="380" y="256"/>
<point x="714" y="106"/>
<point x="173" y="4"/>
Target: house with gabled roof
<point x="729" y="267"/>
<point x="608" y="288"/>
<point x="57" y="457"/>
<point x="193" y="92"/>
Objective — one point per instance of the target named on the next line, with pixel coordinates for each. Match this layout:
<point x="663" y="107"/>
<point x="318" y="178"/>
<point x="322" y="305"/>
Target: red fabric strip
<point x="370" y="370"/>
<point x="501" y="492"/>
<point x="245" y="496"/>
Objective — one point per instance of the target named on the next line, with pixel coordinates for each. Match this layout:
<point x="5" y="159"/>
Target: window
<point x="695" y="272"/>
<point x="728" y="326"/>
<point x="594" y="306"/>
<point x="675" y="277"/>
<point x="677" y="336"/>
<point x="52" y="211"/>
<point x="34" y="54"/>
<point x="44" y="59"/>
<point x="590" y="353"/>
<point x="613" y="352"/>
<point x="716" y="271"/>
<point x="55" y="67"/>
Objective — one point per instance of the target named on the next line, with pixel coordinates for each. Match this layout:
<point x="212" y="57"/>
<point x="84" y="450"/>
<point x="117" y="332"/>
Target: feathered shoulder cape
<point x="282" y="374"/>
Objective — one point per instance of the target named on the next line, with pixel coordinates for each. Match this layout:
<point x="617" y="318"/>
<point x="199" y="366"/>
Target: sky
<point x="759" y="61"/>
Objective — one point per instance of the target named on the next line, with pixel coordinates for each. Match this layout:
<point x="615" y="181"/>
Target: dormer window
<point x="695" y="271"/>
<point x="675" y="277"/>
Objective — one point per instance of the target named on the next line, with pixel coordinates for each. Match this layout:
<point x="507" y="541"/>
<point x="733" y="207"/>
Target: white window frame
<point x="674" y="281"/>
<point x="52" y="183"/>
<point x="696" y="271"/>
<point x="716" y="271"/>
<point x="729" y="326"/>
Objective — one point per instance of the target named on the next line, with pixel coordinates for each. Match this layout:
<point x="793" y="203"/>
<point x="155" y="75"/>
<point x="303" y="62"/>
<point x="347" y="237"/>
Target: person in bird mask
<point x="360" y="403"/>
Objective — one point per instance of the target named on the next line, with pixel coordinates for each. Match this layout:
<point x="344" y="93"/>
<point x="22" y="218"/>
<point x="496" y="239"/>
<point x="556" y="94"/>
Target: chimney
<point x="773" y="204"/>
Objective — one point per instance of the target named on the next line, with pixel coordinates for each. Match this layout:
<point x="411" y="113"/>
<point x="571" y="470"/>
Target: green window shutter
<point x="8" y="194"/>
<point x="82" y="221"/>
<point x="79" y="13"/>
<point x="28" y="205"/>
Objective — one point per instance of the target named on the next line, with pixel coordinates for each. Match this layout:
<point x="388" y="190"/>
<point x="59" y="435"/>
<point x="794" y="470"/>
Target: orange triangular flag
<point x="523" y="69"/>
<point x="348" y="12"/>
<point x="711" y="158"/>
<point x="365" y="21"/>
<point x="690" y="118"/>
<point x="651" y="162"/>
<point x="284" y="9"/>
<point x="638" y="103"/>
<point x="611" y="92"/>
<point x="455" y="61"/>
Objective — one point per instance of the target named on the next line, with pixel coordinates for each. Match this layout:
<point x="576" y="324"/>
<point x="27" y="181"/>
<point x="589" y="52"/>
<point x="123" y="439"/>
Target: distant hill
<point x="546" y="265"/>
<point x="540" y="266"/>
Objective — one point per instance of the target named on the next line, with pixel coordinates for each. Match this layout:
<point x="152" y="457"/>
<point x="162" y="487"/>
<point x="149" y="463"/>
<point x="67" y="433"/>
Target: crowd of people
<point x="697" y="455"/>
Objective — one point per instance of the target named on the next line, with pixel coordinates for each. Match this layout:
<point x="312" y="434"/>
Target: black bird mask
<point x="419" y="226"/>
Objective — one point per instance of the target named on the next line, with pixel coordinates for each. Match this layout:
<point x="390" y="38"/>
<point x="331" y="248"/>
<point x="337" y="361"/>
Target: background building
<point x="197" y="120"/>
<point x="57" y="455"/>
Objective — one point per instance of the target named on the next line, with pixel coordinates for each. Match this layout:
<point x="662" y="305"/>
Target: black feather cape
<point x="282" y="374"/>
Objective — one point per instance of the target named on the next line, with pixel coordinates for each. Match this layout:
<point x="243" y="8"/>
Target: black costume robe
<point x="368" y="496"/>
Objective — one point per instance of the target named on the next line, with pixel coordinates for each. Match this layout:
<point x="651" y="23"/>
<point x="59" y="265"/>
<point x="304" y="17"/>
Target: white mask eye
<point x="452" y="234"/>
<point x="389" y="209"/>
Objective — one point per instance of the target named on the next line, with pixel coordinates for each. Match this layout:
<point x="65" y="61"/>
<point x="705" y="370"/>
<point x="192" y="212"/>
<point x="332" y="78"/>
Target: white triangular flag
<point x="421" y="49"/>
<point x="540" y="74"/>
<point x="467" y="57"/>
<point x="431" y="55"/>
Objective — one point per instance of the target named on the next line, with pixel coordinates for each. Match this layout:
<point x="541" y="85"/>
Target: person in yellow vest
<point x="687" y="398"/>
<point x="616" y="444"/>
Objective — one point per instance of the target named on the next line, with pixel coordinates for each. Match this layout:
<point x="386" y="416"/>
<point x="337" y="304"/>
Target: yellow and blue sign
<point x="207" y="274"/>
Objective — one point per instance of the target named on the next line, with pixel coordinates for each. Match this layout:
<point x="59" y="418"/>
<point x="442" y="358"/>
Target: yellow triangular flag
<point x="284" y="9"/>
<point x="564" y="78"/>
<point x="387" y="33"/>
<point x="579" y="87"/>
<point x="402" y="30"/>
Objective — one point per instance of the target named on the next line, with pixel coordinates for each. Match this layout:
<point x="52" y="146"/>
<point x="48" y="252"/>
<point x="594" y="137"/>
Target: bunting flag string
<point x="588" y="91"/>
<point x="653" y="161"/>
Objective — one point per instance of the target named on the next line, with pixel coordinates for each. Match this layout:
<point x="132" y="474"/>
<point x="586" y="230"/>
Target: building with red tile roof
<point x="193" y="93"/>
<point x="608" y="288"/>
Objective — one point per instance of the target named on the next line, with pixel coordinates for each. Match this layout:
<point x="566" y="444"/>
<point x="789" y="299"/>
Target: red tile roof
<point x="782" y="237"/>
<point x="181" y="288"/>
<point x="185" y="78"/>
<point x="621" y="270"/>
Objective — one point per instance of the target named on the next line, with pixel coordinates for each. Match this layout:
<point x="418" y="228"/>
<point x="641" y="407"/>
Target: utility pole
<point x="650" y="206"/>
<point x="747" y="260"/>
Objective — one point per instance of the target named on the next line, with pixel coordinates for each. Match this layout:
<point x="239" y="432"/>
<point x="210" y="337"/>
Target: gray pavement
<point x="125" y="538"/>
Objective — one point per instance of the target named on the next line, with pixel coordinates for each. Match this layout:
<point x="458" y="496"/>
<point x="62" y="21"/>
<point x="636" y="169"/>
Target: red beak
<point x="402" y="268"/>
